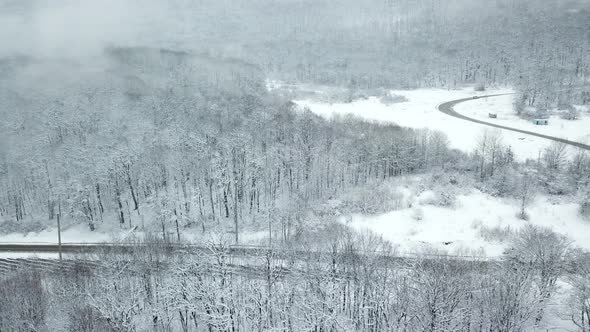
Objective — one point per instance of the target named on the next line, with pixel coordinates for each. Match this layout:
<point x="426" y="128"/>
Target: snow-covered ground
<point x="81" y="234"/>
<point x="75" y="234"/>
<point x="418" y="110"/>
<point x="462" y="225"/>
<point x="18" y="255"/>
<point x="573" y="130"/>
<point x="478" y="224"/>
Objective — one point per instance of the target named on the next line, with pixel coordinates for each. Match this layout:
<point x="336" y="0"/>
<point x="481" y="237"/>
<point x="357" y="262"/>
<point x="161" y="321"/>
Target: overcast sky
<point x="78" y="28"/>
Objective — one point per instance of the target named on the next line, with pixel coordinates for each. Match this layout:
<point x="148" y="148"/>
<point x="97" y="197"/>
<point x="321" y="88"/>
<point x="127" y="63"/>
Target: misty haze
<point x="294" y="165"/>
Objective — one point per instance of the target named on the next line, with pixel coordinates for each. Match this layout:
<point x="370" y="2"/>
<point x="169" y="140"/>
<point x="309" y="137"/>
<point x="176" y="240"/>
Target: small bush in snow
<point x="11" y="226"/>
<point x="441" y="191"/>
<point x="446" y="198"/>
<point x="519" y="106"/>
<point x="496" y="233"/>
<point x="570" y="113"/>
<point x="417" y="214"/>
<point x="585" y="205"/>
<point x="373" y="200"/>
<point x="439" y="197"/>
<point x="479" y="87"/>
<point x="24" y="302"/>
<point x="556" y="184"/>
<point x="501" y="184"/>
<point x="87" y="318"/>
<point x="541" y="113"/>
<point x="397" y="200"/>
<point x="525" y="193"/>
<point x="389" y="99"/>
<point x="523" y="215"/>
<point x="413" y="232"/>
<point x="585" y="210"/>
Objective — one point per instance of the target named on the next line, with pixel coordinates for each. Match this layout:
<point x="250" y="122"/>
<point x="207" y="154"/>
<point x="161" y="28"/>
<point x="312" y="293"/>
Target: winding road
<point x="447" y="108"/>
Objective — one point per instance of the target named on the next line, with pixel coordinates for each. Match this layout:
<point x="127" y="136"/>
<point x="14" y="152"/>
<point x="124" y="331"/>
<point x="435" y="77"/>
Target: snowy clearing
<point x="79" y="233"/>
<point x="573" y="130"/>
<point x="418" y="110"/>
<point x="479" y="224"/>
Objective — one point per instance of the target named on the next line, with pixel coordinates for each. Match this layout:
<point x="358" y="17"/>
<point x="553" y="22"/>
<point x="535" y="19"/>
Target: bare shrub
<point x="570" y="113"/>
<point x="443" y="197"/>
<point x="444" y="193"/>
<point x="373" y="200"/>
<point x="523" y="215"/>
<point x="519" y="105"/>
<point x="389" y="99"/>
<point x="578" y="306"/>
<point x="87" y="319"/>
<point x="496" y="234"/>
<point x="555" y="155"/>
<point x="502" y="183"/>
<point x="417" y="214"/>
<point x="24" y="226"/>
<point x="585" y="204"/>
<point x="525" y="193"/>
<point x="23" y="304"/>
<point x="529" y="112"/>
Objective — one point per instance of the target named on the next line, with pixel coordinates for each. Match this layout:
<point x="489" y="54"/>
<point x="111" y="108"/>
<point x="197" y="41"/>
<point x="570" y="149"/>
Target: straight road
<point x="447" y="108"/>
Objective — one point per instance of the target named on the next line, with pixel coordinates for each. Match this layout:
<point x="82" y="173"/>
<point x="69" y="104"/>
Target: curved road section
<point x="447" y="108"/>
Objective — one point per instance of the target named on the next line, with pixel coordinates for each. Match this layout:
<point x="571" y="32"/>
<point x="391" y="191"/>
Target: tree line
<point x="348" y="283"/>
<point x="198" y="149"/>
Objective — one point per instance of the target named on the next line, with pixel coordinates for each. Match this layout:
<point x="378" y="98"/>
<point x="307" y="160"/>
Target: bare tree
<point x="554" y="156"/>
<point x="525" y="192"/>
<point x="545" y="252"/>
<point x="489" y="151"/>
<point x="509" y="298"/>
<point x="24" y="302"/>
<point x="579" y="302"/>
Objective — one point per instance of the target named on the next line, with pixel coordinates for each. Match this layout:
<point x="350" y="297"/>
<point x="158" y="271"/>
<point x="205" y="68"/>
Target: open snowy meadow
<point x="294" y="165"/>
<point x="476" y="223"/>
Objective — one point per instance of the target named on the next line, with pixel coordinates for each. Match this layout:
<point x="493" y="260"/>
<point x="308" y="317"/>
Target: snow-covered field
<point x="75" y="234"/>
<point x="468" y="225"/>
<point x="573" y="130"/>
<point x="478" y="224"/>
<point x="419" y="111"/>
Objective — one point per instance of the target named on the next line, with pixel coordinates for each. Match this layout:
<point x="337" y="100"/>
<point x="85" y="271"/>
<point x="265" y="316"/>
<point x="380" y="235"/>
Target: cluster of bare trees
<point x="551" y="173"/>
<point x="125" y="146"/>
<point x="352" y="283"/>
<point x="540" y="48"/>
<point x="197" y="140"/>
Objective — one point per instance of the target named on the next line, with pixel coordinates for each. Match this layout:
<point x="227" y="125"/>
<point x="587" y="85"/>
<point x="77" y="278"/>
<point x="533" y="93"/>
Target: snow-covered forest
<point x="313" y="132"/>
